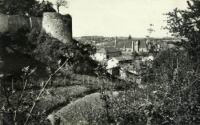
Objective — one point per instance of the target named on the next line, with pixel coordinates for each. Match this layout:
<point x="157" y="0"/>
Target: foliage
<point x="50" y="51"/>
<point x="16" y="40"/>
<point x="39" y="9"/>
<point x="169" y="94"/>
<point x="60" y="3"/>
<point x="24" y="7"/>
<point x="17" y="102"/>
<point x="81" y="60"/>
<point x="17" y="6"/>
<point x="172" y="86"/>
<point x="178" y="75"/>
<point x="186" y="24"/>
<point x="16" y="47"/>
<point x="20" y="110"/>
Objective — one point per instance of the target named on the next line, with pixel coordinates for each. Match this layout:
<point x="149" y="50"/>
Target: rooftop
<point x="108" y="50"/>
<point x="124" y="58"/>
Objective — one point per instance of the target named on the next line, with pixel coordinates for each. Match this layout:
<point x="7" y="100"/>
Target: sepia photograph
<point x="99" y="62"/>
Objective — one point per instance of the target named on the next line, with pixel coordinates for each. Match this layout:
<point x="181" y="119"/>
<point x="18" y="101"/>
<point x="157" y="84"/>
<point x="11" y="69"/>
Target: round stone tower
<point x="58" y="26"/>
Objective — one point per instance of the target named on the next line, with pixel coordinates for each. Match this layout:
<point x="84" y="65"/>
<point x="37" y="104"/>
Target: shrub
<point x="174" y="87"/>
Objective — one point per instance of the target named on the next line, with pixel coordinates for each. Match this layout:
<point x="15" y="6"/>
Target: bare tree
<point x="150" y="29"/>
<point x="60" y="3"/>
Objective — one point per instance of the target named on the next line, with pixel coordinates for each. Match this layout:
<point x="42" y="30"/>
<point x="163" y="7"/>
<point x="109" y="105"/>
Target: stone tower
<point x="58" y="26"/>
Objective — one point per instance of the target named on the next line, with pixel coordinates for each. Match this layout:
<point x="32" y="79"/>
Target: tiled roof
<point x="124" y="58"/>
<point x="111" y="49"/>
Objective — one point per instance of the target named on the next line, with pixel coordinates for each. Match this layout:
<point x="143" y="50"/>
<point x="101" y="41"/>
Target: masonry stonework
<point x="58" y="26"/>
<point x="16" y="22"/>
<point x="12" y="23"/>
<point x="54" y="24"/>
<point x="3" y="23"/>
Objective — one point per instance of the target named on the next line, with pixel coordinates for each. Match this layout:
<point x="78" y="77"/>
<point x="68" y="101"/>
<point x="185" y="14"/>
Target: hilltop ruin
<point x="56" y="25"/>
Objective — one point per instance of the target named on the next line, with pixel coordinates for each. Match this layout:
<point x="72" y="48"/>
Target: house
<point x="112" y="63"/>
<point x="106" y="53"/>
<point x="115" y="71"/>
<point x="148" y="58"/>
<point x="116" y="62"/>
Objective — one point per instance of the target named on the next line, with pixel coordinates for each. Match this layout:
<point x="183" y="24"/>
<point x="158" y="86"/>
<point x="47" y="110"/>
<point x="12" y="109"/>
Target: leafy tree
<point x="78" y="55"/>
<point x="48" y="50"/>
<point x="60" y="3"/>
<point x="39" y="9"/>
<point x="52" y="52"/>
<point x="172" y="86"/>
<point x="17" y="6"/>
<point x="25" y="7"/>
<point x="186" y="24"/>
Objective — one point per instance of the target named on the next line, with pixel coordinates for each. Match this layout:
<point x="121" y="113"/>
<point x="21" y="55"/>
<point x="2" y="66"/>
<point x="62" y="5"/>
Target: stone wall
<point x="58" y="26"/>
<point x="54" y="24"/>
<point x="12" y="23"/>
<point x="3" y="23"/>
<point x="16" y="22"/>
<point x="35" y="22"/>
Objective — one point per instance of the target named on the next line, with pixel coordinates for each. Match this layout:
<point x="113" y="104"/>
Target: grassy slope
<point x="81" y="109"/>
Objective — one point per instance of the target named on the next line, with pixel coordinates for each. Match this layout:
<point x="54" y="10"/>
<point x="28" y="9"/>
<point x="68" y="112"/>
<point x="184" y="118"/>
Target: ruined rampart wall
<point x="16" y="22"/>
<point x="12" y="23"/>
<point x="3" y="23"/>
<point x="54" y="24"/>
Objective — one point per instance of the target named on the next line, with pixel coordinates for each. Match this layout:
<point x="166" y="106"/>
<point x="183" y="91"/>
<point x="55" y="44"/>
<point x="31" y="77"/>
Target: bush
<point x="174" y="88"/>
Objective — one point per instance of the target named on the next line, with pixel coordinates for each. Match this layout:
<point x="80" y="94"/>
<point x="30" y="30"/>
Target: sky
<point x="120" y="17"/>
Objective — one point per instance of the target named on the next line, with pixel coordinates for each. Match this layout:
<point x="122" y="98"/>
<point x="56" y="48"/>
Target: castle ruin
<point x="56" y="25"/>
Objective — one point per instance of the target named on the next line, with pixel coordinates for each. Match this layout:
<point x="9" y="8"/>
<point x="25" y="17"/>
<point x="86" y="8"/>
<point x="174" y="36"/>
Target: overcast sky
<point x="120" y="17"/>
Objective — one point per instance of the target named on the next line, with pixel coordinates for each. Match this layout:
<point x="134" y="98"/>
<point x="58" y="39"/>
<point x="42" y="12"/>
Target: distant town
<point x="127" y="57"/>
<point x="50" y="77"/>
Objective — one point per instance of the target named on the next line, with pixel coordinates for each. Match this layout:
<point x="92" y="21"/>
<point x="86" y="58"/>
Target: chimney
<point x="137" y="46"/>
<point x="115" y="42"/>
<point x="132" y="46"/>
<point x="124" y="45"/>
